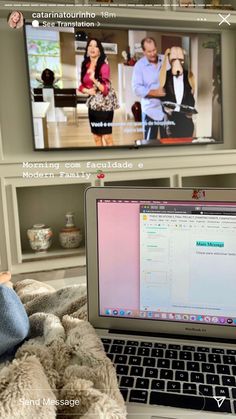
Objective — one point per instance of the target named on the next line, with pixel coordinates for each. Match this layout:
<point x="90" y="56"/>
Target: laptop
<point x="161" y="276"/>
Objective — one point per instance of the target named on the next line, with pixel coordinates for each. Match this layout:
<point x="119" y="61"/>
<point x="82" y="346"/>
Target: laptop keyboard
<point x="183" y="376"/>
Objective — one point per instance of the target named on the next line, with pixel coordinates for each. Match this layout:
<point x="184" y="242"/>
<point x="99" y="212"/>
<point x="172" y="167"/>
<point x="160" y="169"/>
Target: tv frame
<point x="136" y="27"/>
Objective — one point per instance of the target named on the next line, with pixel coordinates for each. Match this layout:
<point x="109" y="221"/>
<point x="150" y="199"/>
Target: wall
<point x="205" y="68"/>
<point x="67" y="45"/>
<point x="15" y="109"/>
<point x="168" y="166"/>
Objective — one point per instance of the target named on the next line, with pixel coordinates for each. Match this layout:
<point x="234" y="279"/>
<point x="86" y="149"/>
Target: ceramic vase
<point x="40" y="237"/>
<point x="70" y="236"/>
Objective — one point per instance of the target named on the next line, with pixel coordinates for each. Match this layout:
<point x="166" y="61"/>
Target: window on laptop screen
<point x="167" y="260"/>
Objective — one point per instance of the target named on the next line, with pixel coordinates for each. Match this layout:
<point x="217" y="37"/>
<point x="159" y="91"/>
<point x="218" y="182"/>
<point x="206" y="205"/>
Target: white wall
<point x="205" y="88"/>
<point x="15" y="110"/>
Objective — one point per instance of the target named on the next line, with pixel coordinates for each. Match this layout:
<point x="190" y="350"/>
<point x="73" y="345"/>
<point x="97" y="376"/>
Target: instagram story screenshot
<point x="117" y="206"/>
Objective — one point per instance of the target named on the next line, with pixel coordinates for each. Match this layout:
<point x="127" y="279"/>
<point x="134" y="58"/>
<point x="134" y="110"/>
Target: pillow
<point x="14" y="322"/>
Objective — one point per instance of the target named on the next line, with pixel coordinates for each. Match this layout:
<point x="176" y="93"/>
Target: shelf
<point x="47" y="264"/>
<point x="162" y="182"/>
<point x="51" y="254"/>
<point x="44" y="204"/>
<point x="210" y="181"/>
<point x="48" y="205"/>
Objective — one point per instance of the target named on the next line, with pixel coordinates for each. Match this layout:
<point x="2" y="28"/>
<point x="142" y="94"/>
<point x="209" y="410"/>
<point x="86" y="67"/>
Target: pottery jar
<point x="40" y="237"/>
<point x="70" y="236"/>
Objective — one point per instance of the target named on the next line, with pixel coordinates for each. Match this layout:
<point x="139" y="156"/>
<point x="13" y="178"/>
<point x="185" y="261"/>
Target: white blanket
<point x="61" y="370"/>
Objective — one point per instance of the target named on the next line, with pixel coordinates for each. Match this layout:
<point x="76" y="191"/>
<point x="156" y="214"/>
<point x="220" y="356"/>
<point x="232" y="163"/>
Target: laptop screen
<point x="167" y="260"/>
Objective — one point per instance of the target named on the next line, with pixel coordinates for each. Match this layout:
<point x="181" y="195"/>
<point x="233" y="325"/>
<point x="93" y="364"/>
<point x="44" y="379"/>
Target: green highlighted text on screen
<point x="209" y="244"/>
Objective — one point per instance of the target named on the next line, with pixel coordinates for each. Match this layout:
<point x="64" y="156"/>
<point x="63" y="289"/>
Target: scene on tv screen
<point x="124" y="88"/>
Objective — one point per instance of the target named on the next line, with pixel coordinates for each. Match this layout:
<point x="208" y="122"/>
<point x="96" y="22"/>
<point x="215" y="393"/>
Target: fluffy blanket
<point x="61" y="370"/>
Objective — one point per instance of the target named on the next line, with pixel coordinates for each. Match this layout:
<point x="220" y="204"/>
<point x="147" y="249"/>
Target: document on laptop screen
<point x="171" y="261"/>
<point x="184" y="260"/>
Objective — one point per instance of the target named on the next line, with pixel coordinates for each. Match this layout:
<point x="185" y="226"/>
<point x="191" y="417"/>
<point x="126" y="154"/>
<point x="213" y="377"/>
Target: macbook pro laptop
<point x="161" y="272"/>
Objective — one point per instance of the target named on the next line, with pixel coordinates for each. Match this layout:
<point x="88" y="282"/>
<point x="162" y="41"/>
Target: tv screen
<point x="117" y="87"/>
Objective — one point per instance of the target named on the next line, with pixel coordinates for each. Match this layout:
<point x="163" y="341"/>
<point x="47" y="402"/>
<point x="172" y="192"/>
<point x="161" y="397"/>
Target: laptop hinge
<point x="170" y="336"/>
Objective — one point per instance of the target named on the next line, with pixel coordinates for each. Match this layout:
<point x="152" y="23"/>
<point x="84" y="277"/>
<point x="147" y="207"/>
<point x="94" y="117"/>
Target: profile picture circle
<point x="15" y="19"/>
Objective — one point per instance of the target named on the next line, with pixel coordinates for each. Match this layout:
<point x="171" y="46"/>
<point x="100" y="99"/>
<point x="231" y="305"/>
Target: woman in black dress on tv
<point x="95" y="78"/>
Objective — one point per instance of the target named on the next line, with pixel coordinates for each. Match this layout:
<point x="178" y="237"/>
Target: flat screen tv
<point x="142" y="88"/>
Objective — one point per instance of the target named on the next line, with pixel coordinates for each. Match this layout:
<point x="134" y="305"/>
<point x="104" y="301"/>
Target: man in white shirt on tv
<point x="146" y="85"/>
